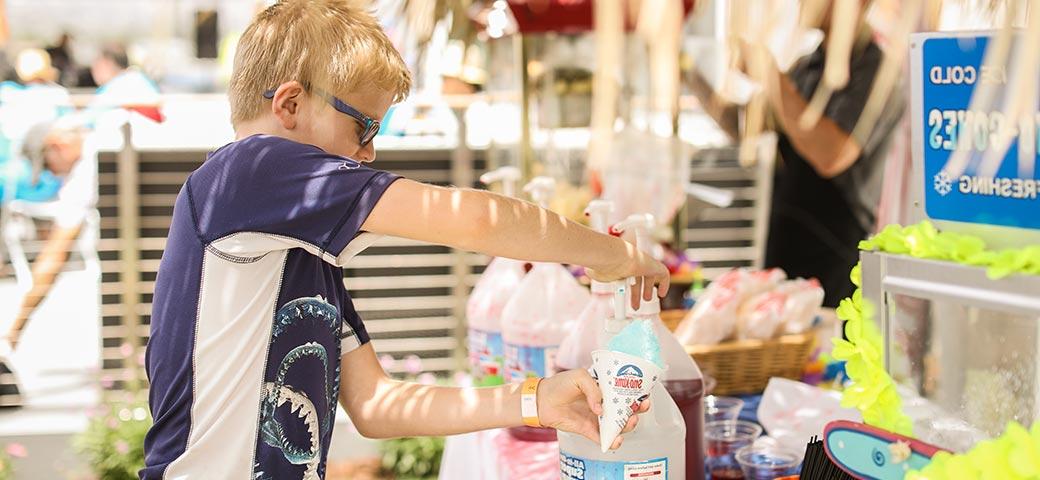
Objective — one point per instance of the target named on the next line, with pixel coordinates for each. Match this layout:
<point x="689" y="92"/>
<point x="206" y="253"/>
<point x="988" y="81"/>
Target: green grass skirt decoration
<point x="1012" y="456"/>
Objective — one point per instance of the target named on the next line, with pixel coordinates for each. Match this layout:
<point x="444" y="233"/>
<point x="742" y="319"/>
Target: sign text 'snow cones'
<point x="625" y="381"/>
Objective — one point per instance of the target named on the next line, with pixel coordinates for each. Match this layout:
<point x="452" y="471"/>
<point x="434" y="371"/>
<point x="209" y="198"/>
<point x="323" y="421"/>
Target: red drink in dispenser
<point x="689" y="397"/>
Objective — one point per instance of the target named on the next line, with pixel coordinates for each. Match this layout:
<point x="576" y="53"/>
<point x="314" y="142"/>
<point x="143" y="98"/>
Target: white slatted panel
<point x="723" y="238"/>
<point x="410" y="294"/>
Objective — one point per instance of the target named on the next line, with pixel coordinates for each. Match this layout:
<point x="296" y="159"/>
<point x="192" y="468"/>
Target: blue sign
<point x="975" y="191"/>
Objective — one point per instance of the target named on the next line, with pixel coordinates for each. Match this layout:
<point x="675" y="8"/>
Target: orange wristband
<point x="529" y="402"/>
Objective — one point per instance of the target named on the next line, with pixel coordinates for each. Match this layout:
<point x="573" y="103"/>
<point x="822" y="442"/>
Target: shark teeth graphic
<point x="305" y="313"/>
<point x="312" y="349"/>
<point x="304" y="410"/>
<point x="315" y="309"/>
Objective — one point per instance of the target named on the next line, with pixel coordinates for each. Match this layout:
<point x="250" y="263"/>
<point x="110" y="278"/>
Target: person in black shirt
<point x="827" y="183"/>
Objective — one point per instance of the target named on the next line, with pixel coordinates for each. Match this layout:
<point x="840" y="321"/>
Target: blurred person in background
<point x="59" y="148"/>
<point x="827" y="183"/>
<point x="120" y="87"/>
<point x="37" y="74"/>
<point x="37" y="99"/>
<point x="119" y="84"/>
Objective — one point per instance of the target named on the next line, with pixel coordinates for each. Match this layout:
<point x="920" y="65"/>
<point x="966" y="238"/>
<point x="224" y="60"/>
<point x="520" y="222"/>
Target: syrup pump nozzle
<point x="642" y="223"/>
<point x="619" y="320"/>
<point x="541" y="189"/>
<point x="507" y="175"/>
<point x="598" y="212"/>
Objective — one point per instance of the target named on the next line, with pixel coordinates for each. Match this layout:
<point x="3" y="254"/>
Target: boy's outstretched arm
<point x="381" y="407"/>
<point x="496" y="225"/>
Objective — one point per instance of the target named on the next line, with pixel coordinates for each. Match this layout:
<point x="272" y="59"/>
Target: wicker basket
<point x="745" y="366"/>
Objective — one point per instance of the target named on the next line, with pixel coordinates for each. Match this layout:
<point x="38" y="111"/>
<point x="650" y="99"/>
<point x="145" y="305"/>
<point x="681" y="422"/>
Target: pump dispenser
<point x="489" y="297"/>
<point x="539" y="315"/>
<point x="591" y="330"/>
<point x="654" y="450"/>
<point x="507" y="175"/>
<point x="541" y="190"/>
<point x="641" y="224"/>
<point x="683" y="380"/>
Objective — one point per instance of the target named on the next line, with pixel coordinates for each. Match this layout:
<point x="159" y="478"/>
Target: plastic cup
<point x="767" y="462"/>
<point x="709" y="384"/>
<point x="722" y="408"/>
<point x="722" y="440"/>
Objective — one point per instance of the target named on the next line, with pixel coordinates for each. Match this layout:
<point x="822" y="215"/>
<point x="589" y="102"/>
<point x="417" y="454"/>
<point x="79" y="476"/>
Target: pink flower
<point x="106" y="381"/>
<point x="387" y="362"/>
<point x="413" y="364"/>
<point x="17" y="450"/>
<point x="122" y="447"/>
<point x="427" y="378"/>
<point x="126" y="349"/>
<point x="140" y="359"/>
<point x="113" y="423"/>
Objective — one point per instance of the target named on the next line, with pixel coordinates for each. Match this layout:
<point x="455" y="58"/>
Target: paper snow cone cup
<point x="625" y="380"/>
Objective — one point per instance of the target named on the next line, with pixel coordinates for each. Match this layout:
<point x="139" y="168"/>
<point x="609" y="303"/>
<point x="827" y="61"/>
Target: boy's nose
<point x="367" y="153"/>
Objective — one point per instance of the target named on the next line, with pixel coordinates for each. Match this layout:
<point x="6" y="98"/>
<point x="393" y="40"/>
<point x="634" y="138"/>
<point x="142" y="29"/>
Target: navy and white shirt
<point x="250" y="315"/>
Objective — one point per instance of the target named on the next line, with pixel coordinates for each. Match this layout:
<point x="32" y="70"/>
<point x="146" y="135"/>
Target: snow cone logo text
<point x="629" y="377"/>
<point x="1016" y="188"/>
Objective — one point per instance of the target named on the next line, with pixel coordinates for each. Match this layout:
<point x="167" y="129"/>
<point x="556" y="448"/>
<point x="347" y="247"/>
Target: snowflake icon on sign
<point x="943" y="183"/>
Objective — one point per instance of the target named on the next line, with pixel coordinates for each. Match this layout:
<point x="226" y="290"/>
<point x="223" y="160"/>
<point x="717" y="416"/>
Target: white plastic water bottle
<point x="489" y="297"/>
<point x="538" y="317"/>
<point x="655" y="450"/>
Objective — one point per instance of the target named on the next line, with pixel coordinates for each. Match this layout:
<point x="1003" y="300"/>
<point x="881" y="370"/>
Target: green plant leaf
<point x="412" y="457"/>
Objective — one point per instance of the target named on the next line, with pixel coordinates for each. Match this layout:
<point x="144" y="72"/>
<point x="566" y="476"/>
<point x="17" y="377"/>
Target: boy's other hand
<point x="644" y="269"/>
<point x="571" y="401"/>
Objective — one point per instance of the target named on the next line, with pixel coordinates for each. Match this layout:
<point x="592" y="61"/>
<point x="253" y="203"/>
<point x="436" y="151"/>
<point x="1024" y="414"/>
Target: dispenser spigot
<point x="598" y="212"/>
<point x="541" y="190"/>
<point x="507" y="175"/>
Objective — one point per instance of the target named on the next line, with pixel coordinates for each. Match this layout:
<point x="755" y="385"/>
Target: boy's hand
<point x="571" y="401"/>
<point x="646" y="271"/>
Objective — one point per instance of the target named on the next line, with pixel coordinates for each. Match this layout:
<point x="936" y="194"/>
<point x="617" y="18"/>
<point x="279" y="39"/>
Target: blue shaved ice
<point x="638" y="339"/>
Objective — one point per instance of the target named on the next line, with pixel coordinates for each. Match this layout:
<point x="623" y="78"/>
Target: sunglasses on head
<point x="369" y="126"/>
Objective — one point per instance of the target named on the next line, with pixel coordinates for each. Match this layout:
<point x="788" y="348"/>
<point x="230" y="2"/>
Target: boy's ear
<point x="286" y="103"/>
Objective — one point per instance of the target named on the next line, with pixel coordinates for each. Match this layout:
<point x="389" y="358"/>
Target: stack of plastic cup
<point x="767" y="462"/>
<point x="722" y="440"/>
<point x="722" y="408"/>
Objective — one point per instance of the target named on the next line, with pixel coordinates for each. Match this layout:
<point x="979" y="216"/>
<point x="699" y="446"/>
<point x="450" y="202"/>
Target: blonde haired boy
<point x="254" y="339"/>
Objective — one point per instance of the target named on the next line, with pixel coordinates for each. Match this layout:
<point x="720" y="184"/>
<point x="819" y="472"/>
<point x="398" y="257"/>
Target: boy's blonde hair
<point x="331" y="44"/>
